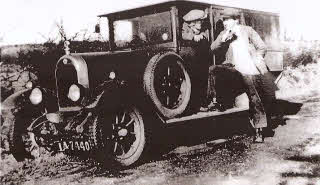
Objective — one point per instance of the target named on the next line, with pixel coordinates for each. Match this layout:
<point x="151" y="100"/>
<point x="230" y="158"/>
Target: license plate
<point x="74" y="146"/>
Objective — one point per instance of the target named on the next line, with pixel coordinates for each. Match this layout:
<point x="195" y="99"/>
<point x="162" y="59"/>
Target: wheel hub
<point x="123" y="132"/>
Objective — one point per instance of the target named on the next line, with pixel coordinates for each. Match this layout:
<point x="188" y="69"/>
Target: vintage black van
<point x="111" y="103"/>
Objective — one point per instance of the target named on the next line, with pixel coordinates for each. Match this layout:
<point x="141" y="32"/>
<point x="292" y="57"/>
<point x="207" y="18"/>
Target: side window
<point x="144" y="30"/>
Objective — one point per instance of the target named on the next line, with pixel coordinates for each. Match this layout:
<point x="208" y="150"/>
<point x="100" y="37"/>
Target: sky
<point x="35" y="21"/>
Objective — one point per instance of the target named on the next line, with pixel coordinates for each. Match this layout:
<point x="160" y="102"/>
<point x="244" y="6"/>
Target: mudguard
<point x="20" y="100"/>
<point x="108" y="95"/>
<point x="115" y="93"/>
<point x="11" y="102"/>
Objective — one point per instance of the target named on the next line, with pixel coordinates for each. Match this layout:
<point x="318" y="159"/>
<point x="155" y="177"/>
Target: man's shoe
<point x="258" y="137"/>
<point x="204" y="109"/>
<point x="212" y="106"/>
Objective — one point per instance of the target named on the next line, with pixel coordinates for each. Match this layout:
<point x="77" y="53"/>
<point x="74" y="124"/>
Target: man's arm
<point x="217" y="43"/>
<point x="224" y="38"/>
<point x="257" y="41"/>
<point x="260" y="50"/>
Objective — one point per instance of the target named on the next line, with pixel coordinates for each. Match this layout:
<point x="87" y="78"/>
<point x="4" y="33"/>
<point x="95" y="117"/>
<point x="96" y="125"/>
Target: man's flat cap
<point x="195" y="15"/>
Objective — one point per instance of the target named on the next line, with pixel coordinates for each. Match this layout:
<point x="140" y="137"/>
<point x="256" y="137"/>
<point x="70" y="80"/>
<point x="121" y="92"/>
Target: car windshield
<point x="145" y="30"/>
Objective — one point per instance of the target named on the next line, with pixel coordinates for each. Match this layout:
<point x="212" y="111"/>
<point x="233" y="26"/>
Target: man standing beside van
<point x="246" y="52"/>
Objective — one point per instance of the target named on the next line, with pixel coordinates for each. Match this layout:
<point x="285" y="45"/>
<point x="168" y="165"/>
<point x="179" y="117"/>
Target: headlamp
<point x="35" y="96"/>
<point x="112" y="75"/>
<point x="74" y="93"/>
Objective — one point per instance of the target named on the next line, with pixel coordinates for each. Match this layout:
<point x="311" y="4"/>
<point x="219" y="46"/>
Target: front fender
<point x="118" y="93"/>
<point x="109" y="95"/>
<point x="21" y="100"/>
<point x="11" y="101"/>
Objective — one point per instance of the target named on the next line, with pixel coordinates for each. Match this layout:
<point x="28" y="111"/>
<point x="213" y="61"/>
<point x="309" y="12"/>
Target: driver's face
<point x="196" y="24"/>
<point x="229" y="23"/>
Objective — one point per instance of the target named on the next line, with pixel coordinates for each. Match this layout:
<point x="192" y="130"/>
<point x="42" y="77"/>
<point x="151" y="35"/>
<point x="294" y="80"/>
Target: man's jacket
<point x="245" y="51"/>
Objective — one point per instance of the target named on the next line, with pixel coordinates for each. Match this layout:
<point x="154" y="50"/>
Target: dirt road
<point x="292" y="156"/>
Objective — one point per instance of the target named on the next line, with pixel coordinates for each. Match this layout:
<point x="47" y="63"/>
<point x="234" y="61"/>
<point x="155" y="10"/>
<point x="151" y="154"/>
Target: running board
<point x="201" y="115"/>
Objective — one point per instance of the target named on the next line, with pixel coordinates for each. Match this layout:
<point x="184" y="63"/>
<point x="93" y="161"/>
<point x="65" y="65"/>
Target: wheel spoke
<point x="122" y="149"/>
<point x="35" y="121"/>
<point x="127" y="141"/>
<point x="123" y="116"/>
<point x="129" y="123"/>
<point x="168" y="100"/>
<point x="117" y="119"/>
<point x="115" y="147"/>
<point x="164" y="80"/>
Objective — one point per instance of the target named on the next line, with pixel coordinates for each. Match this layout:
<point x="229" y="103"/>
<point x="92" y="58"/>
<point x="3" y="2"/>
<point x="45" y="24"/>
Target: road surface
<point x="291" y="157"/>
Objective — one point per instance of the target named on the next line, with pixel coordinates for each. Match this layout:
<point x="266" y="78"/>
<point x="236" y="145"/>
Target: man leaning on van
<point x="246" y="52"/>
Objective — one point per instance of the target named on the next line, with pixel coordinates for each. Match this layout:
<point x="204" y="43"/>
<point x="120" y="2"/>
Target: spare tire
<point x="167" y="83"/>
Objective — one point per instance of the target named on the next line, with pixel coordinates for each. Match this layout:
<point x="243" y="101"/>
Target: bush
<point x="302" y="71"/>
<point x="300" y="54"/>
<point x="37" y="62"/>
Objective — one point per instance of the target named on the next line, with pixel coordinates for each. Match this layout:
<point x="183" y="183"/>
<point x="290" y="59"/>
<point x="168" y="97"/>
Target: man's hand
<point x="228" y="65"/>
<point x="197" y="38"/>
<point x="229" y="35"/>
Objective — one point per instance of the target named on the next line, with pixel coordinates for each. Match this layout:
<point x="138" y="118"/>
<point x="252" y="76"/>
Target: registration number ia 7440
<point x="74" y="146"/>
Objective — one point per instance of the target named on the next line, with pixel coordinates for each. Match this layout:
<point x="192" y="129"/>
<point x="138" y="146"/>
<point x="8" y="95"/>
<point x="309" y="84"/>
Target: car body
<point x="110" y="103"/>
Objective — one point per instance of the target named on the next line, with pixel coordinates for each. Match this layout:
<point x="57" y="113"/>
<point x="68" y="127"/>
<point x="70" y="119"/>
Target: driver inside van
<point x="195" y="28"/>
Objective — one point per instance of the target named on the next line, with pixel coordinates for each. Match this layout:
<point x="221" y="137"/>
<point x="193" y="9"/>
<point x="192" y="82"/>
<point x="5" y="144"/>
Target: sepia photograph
<point x="159" y="92"/>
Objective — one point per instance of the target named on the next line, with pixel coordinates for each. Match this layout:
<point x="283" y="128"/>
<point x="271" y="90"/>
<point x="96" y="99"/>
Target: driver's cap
<point x="195" y="15"/>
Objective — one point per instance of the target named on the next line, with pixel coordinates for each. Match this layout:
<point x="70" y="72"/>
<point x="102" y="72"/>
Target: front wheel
<point x="121" y="136"/>
<point x="22" y="144"/>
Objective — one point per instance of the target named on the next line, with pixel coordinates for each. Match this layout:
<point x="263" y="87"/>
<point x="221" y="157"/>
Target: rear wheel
<point x="121" y="137"/>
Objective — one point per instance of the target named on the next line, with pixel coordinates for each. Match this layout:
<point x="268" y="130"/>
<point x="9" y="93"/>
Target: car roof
<point x="158" y="6"/>
<point x="132" y="12"/>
